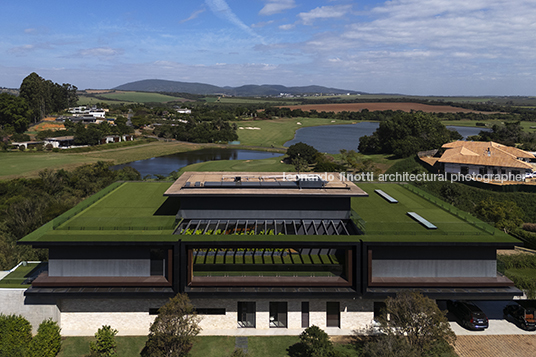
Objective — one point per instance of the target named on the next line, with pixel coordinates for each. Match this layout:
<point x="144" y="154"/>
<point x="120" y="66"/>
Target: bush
<point x="47" y="342"/>
<point x="105" y="346"/>
<point x="531" y="227"/>
<point x="304" y="151"/>
<point x="15" y="335"/>
<point x="316" y="342"/>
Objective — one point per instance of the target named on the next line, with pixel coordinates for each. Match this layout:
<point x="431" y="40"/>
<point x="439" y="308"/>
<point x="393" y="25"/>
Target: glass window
<point x="246" y="314"/>
<point x="464" y="170"/>
<point x="333" y="314"/>
<point x="305" y="314"/>
<point x="278" y="314"/>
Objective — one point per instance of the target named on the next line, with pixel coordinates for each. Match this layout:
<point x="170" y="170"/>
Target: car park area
<point x="497" y="324"/>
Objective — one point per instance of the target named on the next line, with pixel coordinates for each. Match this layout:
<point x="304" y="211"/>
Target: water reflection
<point x="163" y="165"/>
<point x="332" y="138"/>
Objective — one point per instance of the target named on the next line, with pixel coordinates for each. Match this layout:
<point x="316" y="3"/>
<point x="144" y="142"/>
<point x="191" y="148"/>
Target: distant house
<point x="84" y="111"/>
<point x="60" y="141"/>
<point x="483" y="158"/>
<point x="116" y="139"/>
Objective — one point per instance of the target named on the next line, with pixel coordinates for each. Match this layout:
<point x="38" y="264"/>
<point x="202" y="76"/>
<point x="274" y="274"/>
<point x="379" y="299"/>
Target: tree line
<point x="27" y="204"/>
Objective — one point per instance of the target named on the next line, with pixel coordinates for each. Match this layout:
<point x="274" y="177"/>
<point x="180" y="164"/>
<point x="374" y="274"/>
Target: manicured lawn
<point x="131" y="205"/>
<point x="17" y="277"/>
<point x="278" y="131"/>
<point x="265" y="165"/>
<point x="272" y="346"/>
<point x="28" y="164"/>
<point x="127" y="346"/>
<point x="386" y="220"/>
<point x="208" y="346"/>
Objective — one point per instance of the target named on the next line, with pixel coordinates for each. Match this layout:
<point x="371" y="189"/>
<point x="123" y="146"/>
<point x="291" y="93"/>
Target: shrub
<point x="531" y="227"/>
<point x="15" y="335"/>
<point x="316" y="342"/>
<point x="105" y="346"/>
<point x="47" y="342"/>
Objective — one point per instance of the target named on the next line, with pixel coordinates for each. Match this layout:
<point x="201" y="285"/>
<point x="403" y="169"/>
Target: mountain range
<point x="160" y="85"/>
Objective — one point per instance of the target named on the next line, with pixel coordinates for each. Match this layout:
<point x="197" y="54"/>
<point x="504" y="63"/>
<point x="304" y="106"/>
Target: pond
<point x="332" y="138"/>
<point x="164" y="165"/>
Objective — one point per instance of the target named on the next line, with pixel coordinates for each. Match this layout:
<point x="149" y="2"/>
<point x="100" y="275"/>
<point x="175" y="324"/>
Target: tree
<point x="105" y="346"/>
<point x="316" y="342"/>
<point x="506" y="215"/>
<point x="47" y="342"/>
<point x="15" y="114"/>
<point x="414" y="323"/>
<point x="404" y="134"/>
<point x="302" y="150"/>
<point x="174" y="329"/>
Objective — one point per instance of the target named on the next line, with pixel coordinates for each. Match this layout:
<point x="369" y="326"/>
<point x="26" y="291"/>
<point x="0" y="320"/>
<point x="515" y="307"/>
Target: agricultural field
<point x="406" y="107"/>
<point x="249" y="100"/>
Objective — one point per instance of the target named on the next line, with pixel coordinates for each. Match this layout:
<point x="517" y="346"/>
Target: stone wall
<point x="14" y="302"/>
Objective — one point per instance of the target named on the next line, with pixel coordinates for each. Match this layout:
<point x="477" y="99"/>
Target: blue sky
<point x="426" y="47"/>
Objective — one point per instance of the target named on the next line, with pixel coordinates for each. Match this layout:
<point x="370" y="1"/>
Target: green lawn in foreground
<point x="278" y="131"/>
<point x="133" y="204"/>
<point x="127" y="346"/>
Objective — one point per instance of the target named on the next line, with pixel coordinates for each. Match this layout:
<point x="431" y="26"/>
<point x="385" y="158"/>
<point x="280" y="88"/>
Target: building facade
<point x="259" y="253"/>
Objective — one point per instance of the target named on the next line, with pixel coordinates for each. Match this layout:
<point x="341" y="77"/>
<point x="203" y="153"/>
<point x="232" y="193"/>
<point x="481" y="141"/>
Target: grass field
<point x="205" y="346"/>
<point x="265" y="165"/>
<point x="386" y="220"/>
<point x="28" y="164"/>
<point x="278" y="131"/>
<point x="17" y="277"/>
<point x="527" y="126"/>
<point x="115" y="210"/>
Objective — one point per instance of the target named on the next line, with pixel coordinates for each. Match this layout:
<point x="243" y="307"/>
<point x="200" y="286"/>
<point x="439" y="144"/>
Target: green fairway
<point x="278" y="131"/>
<point x="28" y="164"/>
<point x="527" y="126"/>
<point x="15" y="164"/>
<point x="265" y="165"/>
<point x="133" y="205"/>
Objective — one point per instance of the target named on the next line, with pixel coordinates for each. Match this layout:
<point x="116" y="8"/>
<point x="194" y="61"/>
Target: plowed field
<point x="356" y="107"/>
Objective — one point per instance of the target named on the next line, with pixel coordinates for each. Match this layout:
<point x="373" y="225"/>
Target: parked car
<point x="468" y="314"/>
<point x="522" y="314"/>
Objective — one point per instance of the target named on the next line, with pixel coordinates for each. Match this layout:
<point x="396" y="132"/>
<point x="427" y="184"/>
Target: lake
<point x="163" y="165"/>
<point x="332" y="138"/>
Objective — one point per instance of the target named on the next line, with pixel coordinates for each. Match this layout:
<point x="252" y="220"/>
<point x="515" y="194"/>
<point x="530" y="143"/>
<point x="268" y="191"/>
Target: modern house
<point x="488" y="159"/>
<point x="259" y="252"/>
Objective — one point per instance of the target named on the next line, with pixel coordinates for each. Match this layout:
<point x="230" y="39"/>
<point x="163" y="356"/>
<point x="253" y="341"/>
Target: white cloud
<point x="100" y="52"/>
<point x="324" y="12"/>
<point x="276" y="6"/>
<point x="221" y="9"/>
<point x="194" y="15"/>
<point x="287" y="27"/>
<point x="262" y="24"/>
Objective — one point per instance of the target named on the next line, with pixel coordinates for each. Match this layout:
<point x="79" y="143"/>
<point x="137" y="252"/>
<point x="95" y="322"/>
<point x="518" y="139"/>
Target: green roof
<point x="138" y="212"/>
<point x="389" y="222"/>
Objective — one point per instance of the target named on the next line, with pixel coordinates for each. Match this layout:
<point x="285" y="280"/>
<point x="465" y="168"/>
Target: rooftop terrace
<point x="262" y="184"/>
<point x="139" y="212"/>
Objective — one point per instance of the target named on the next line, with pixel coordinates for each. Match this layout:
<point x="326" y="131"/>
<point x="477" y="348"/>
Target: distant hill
<point x="160" y="85"/>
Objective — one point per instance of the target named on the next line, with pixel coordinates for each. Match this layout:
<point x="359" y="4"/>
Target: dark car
<point x="522" y="314"/>
<point x="468" y="314"/>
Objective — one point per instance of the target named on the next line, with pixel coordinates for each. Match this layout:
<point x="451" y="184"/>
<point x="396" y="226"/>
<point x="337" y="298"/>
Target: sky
<point x="414" y="47"/>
